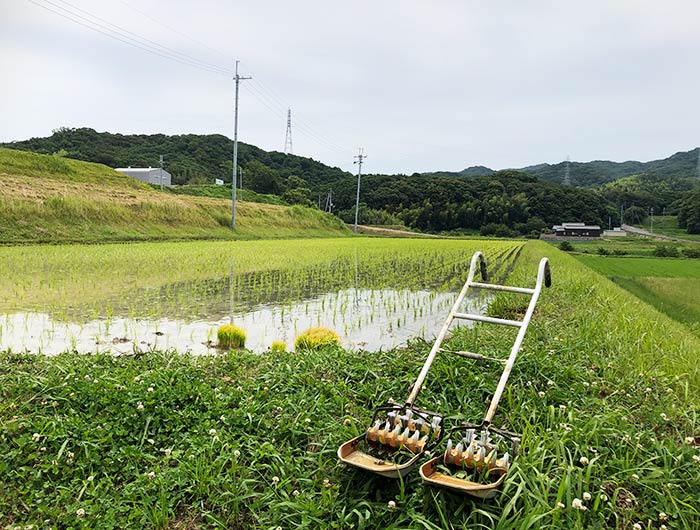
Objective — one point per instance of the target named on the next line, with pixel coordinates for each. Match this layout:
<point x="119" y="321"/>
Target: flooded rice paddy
<point x="376" y="294"/>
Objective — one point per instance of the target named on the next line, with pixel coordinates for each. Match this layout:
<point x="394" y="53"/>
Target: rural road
<point x="641" y="232"/>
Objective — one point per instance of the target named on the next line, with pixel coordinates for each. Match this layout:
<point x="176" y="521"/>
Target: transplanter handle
<point x="477" y="259"/>
<point x="544" y="276"/>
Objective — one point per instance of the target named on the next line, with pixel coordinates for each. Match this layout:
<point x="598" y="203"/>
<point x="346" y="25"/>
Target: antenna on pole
<point x="234" y="179"/>
<point x="360" y="157"/>
<point x="288" y="136"/>
<point x="567" y="172"/>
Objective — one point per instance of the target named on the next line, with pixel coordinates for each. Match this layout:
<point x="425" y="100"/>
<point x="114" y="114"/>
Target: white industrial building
<point x="151" y="175"/>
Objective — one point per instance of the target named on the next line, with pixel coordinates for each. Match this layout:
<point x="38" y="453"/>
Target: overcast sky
<point x="422" y="86"/>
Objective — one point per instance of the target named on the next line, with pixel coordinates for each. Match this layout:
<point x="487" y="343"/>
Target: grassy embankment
<point x="50" y="199"/>
<point x="667" y="225"/>
<point x="604" y="392"/>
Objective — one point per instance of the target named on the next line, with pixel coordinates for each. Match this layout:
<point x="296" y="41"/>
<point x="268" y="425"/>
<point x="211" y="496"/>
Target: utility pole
<point x="234" y="179"/>
<point x="622" y="215"/>
<point x="288" y="135"/>
<point x="161" y="172"/>
<point x="360" y="157"/>
<point x="651" y="211"/>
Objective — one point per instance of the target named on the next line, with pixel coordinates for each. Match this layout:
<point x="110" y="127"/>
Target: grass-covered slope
<point x="604" y="392"/>
<point x="45" y="198"/>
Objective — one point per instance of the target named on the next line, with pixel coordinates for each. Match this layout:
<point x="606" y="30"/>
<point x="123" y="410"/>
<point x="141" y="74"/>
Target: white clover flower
<point x="42" y="449"/>
<point x="583" y="460"/>
<point x="586" y="384"/>
<point x="391" y="504"/>
<point x="347" y="422"/>
<point x="327" y="483"/>
<point x="637" y="526"/>
<point x="87" y="377"/>
<point x="36" y="437"/>
<point x="239" y="388"/>
<point x="690" y="440"/>
<point x="212" y="432"/>
<point x="308" y="420"/>
<point x="150" y="389"/>
<point x="663" y="527"/>
<point x="90" y="478"/>
<point x="80" y="512"/>
<point x="635" y="476"/>
<point x="647" y="390"/>
<point x="152" y="475"/>
<point x="222" y="418"/>
<point x="578" y="504"/>
<point x="295" y="493"/>
<point x="540" y="393"/>
<point x="561" y="505"/>
<point x="139" y="406"/>
<point x="603" y="497"/>
<point x="562" y="407"/>
<point x="696" y="458"/>
<point x="662" y="516"/>
<point x="168" y="452"/>
<point x="586" y="496"/>
<point x="663" y="416"/>
<point x="236" y="453"/>
<point x="275" y="480"/>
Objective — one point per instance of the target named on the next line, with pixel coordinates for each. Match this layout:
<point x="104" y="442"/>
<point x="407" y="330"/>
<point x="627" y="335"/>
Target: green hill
<point x="190" y="158"/>
<point x="48" y="198"/>
<point x="597" y="172"/>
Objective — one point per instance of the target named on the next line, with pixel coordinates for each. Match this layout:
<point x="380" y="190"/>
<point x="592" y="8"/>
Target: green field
<point x="671" y="285"/>
<point x="606" y="401"/>
<point x="632" y="267"/>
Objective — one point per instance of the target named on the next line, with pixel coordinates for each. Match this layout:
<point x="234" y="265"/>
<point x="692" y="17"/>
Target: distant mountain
<point x="590" y="174"/>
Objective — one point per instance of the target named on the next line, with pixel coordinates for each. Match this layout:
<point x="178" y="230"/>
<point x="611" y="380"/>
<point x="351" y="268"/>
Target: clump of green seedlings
<point x="278" y="346"/>
<point x="316" y="339"/>
<point x="230" y="336"/>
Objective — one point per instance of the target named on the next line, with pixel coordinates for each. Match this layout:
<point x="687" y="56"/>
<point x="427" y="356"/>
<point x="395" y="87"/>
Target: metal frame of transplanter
<point x="479" y="471"/>
<point x="408" y="431"/>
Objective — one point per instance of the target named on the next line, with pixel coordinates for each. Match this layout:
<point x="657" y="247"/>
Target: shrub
<point x="666" y="251"/>
<point x="619" y="252"/>
<point x="566" y="246"/>
<point x="603" y="251"/>
<point x="278" y="346"/>
<point x="317" y="338"/>
<point x="691" y="252"/>
<point x="230" y="336"/>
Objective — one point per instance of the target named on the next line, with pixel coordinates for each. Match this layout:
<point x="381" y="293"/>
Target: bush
<point x="316" y="339"/>
<point x="619" y="252"/>
<point x="566" y="246"/>
<point x="278" y="346"/>
<point x="230" y="336"/>
<point x="691" y="252"/>
<point x="666" y="251"/>
<point x="603" y="251"/>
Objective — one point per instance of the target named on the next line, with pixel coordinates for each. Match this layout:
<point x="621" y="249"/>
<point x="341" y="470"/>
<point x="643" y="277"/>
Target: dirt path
<point x="387" y="232"/>
<point x="641" y="232"/>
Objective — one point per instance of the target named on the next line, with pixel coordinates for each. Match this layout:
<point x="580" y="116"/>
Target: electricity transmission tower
<point x="329" y="201"/>
<point x="288" y="136"/>
<point x="360" y="157"/>
<point x="567" y="173"/>
<point x="238" y="79"/>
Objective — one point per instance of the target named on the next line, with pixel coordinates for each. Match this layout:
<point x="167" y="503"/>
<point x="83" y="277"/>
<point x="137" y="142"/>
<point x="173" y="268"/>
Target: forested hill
<point x="190" y="158"/>
<point x="589" y="174"/>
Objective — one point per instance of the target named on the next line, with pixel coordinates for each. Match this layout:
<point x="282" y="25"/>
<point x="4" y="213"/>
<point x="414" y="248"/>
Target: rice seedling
<point x="230" y="336"/>
<point x="278" y="346"/>
<point x="316" y="339"/>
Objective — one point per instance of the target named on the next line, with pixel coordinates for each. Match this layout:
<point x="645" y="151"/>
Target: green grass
<point x="224" y="192"/>
<point x="49" y="199"/>
<point x="246" y="441"/>
<point x="667" y="225"/>
<point x="632" y="267"/>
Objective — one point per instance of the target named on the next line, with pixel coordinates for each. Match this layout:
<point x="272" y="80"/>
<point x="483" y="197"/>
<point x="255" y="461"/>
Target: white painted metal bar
<point x="490" y="320"/>
<point x="494" y="287"/>
<point x="543" y="276"/>
<point x="477" y="260"/>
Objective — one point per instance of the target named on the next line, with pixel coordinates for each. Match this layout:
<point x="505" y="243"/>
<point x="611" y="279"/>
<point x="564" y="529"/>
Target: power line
<point x="99" y="28"/>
